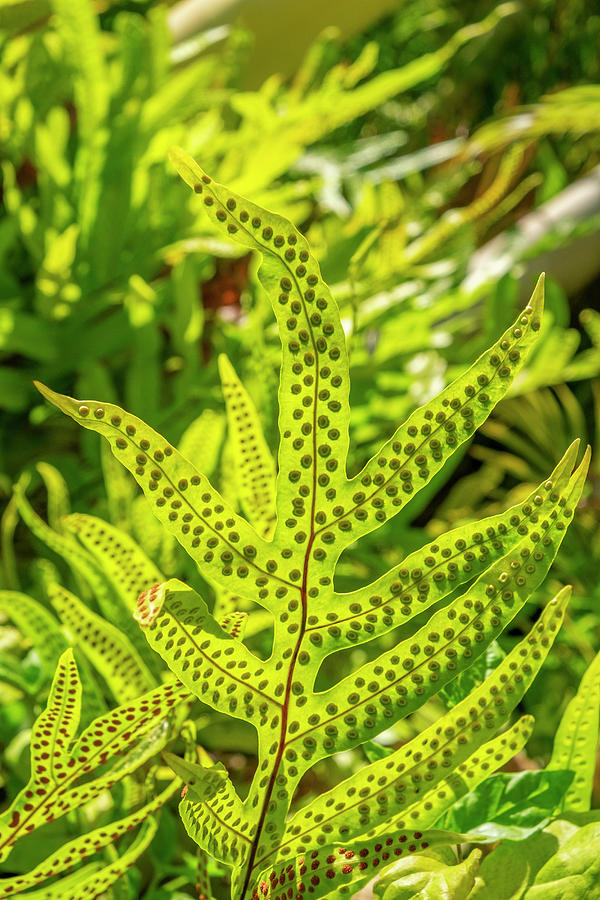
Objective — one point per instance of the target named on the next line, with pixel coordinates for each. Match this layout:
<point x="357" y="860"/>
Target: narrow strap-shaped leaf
<point x="36" y="624"/>
<point x="428" y="575"/>
<point x="382" y="789"/>
<point x="254" y="466"/>
<point x="127" y="573"/>
<point x="81" y="848"/>
<point x="53" y="731"/>
<point x="120" y="558"/>
<point x="216" y="667"/>
<point x="139" y="749"/>
<point x="401" y="679"/>
<point x="314" y="381"/>
<point x="202" y="440"/>
<point x="82" y="563"/>
<point x="116" y="732"/>
<point x="231" y="552"/>
<point x="55" y="728"/>
<point x="120" y="489"/>
<point x="8" y="524"/>
<point x="69" y="884"/>
<point x="106" y="646"/>
<point x="420" y="447"/>
<point x="151" y="537"/>
<point x="59" y="504"/>
<point x="576" y="741"/>
<point x="96" y="883"/>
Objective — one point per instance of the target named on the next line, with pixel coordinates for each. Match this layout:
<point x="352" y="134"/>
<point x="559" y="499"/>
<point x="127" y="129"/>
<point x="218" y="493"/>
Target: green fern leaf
<point x="255" y="471"/>
<point x="125" y="565"/>
<point x="81" y="848"/>
<point x="234" y="623"/>
<point x="95" y="879"/>
<point x="341" y="868"/>
<point x="82" y="563"/>
<point x="203" y="882"/>
<point x="576" y="741"/>
<point x="382" y="789"/>
<point x="58" y="761"/>
<point x="58" y="494"/>
<point x="202" y="440"/>
<point x="290" y="569"/>
<point x="107" y="648"/>
<point x="217" y="827"/>
<point x="102" y="558"/>
<point x="37" y="625"/>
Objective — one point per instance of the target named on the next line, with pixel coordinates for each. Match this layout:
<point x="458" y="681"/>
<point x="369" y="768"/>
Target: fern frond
<point x="81" y="848"/>
<point x="488" y="569"/>
<point x="58" y="761"/>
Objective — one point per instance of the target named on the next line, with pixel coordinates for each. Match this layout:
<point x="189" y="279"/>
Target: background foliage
<point x="437" y="163"/>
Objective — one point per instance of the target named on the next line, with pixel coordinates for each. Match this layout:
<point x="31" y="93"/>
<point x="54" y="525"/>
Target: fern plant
<point x="557" y="860"/>
<point x="340" y="839"/>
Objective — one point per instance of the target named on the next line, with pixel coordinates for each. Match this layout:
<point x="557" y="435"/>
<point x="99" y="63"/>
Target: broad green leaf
<point x="573" y="872"/>
<point x="560" y="862"/>
<point x="510" y="806"/>
<point x="576" y="741"/>
<point x="429" y="876"/>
